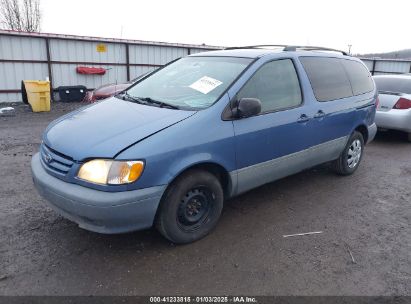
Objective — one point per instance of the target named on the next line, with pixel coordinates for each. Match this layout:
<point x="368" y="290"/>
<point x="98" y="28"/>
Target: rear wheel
<point x="409" y="137"/>
<point x="351" y="157"/>
<point x="191" y="207"/>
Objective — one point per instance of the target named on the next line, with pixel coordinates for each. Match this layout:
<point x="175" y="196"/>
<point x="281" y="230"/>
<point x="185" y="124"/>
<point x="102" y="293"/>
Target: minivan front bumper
<point x="94" y="210"/>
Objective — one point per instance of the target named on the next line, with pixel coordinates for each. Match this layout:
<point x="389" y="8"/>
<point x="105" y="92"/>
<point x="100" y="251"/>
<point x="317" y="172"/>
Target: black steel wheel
<point x="195" y="208"/>
<point x="191" y="207"/>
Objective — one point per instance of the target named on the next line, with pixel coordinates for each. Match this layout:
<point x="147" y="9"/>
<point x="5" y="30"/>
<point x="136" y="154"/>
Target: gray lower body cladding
<point x="256" y="175"/>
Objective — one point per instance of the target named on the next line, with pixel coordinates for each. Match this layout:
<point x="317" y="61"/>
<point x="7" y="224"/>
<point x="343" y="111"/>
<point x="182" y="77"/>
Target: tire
<point x="191" y="207"/>
<point x="409" y="137"/>
<point x="351" y="157"/>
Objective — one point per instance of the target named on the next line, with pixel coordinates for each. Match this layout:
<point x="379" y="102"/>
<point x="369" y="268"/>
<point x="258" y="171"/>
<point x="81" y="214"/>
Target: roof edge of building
<point x="107" y="40"/>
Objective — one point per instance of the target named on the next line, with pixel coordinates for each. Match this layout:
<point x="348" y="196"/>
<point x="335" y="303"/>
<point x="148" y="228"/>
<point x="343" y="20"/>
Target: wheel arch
<point x="214" y="168"/>
<point x="364" y="132"/>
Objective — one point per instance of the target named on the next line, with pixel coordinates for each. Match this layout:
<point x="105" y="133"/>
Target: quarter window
<point x="328" y="78"/>
<point x="359" y="76"/>
<point x="276" y="85"/>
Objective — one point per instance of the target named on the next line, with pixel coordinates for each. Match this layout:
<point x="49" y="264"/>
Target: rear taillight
<point x="377" y="103"/>
<point x="403" y="104"/>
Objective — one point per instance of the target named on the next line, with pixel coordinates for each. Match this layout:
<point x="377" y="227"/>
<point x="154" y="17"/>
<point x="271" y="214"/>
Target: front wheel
<point x="351" y="157"/>
<point x="191" y="207"/>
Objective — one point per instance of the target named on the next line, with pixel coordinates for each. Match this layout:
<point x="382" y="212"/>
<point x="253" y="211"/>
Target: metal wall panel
<point x="392" y="66"/>
<point x="195" y="51"/>
<point x="382" y="73"/>
<point x="10" y="97"/>
<point x="22" y="48"/>
<point x="12" y="73"/>
<point x="67" y="52"/>
<point x="159" y="55"/>
<point x="136" y="71"/>
<point x="368" y="63"/>
<point x="85" y="51"/>
<point x="65" y="74"/>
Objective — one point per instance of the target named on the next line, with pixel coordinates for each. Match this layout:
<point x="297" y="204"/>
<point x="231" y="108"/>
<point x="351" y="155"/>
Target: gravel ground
<point x="366" y="215"/>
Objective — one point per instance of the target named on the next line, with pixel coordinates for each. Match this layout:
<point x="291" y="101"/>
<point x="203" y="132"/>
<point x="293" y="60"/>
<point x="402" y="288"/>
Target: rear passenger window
<point x="327" y="77"/>
<point x="359" y="76"/>
<point x="275" y="84"/>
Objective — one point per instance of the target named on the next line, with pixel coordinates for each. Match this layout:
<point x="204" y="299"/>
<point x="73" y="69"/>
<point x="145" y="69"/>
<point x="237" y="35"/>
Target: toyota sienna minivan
<point x="169" y="150"/>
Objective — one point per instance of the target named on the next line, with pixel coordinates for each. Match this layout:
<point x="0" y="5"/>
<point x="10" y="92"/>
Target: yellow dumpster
<point x="37" y="94"/>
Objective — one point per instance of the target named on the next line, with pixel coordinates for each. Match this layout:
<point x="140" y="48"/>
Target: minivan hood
<point x="105" y="128"/>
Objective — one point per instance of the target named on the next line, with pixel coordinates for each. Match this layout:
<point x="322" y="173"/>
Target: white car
<point x="394" y="110"/>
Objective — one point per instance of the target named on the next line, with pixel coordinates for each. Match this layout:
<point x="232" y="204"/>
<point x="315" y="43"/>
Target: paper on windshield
<point x="205" y="84"/>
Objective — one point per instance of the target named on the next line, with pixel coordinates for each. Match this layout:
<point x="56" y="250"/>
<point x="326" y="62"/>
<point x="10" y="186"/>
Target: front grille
<point x="55" y="161"/>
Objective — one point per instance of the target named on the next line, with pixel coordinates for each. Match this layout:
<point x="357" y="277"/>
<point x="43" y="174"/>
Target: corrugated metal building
<point x="33" y="56"/>
<point x="378" y="66"/>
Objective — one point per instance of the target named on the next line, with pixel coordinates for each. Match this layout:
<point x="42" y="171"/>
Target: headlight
<point x="111" y="172"/>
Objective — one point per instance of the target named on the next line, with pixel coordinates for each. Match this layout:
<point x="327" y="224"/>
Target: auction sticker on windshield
<point x="205" y="84"/>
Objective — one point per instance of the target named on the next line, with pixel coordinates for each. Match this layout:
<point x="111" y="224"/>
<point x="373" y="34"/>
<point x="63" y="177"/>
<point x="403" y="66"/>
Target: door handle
<point x="319" y="114"/>
<point x="303" y="118"/>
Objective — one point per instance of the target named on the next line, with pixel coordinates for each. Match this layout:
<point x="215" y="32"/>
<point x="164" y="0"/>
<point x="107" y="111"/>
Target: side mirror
<point x="248" y="107"/>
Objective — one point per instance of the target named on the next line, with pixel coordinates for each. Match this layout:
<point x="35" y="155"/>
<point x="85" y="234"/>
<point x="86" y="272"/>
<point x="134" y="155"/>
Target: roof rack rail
<point x="256" y="46"/>
<point x="289" y="48"/>
<point x="312" y="48"/>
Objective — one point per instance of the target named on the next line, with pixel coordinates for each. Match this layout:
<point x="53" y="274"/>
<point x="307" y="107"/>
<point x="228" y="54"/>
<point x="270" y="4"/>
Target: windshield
<point x="191" y="82"/>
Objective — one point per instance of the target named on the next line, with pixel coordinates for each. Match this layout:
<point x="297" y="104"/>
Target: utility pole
<point x="349" y="48"/>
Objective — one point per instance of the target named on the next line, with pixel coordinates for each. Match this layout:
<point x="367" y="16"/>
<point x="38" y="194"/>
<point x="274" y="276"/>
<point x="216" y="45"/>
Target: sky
<point x="368" y="26"/>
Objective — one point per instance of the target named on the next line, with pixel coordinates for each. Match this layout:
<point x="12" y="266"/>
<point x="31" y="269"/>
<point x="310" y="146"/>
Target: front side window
<point x="276" y="85"/>
<point x="191" y="82"/>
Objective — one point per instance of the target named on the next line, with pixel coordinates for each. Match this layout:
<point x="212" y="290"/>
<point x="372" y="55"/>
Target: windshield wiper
<point x="161" y="104"/>
<point x="128" y="97"/>
<point x="146" y="100"/>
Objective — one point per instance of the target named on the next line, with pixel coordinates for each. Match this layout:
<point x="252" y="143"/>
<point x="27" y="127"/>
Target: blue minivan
<point x="170" y="149"/>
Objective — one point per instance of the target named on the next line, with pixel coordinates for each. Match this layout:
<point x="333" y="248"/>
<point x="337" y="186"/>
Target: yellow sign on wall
<point x="101" y="48"/>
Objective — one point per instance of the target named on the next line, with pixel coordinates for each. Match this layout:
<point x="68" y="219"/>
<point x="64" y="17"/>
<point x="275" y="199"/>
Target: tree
<point x="20" y="15"/>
